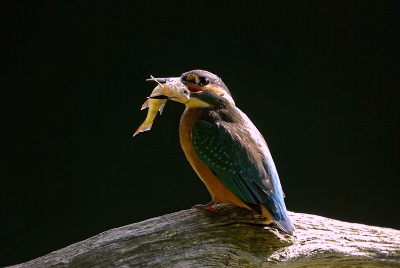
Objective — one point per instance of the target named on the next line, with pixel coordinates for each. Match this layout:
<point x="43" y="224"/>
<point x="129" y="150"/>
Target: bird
<point x="227" y="151"/>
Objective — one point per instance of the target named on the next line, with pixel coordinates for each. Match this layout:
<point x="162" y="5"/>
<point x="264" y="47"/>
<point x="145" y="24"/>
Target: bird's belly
<point x="218" y="191"/>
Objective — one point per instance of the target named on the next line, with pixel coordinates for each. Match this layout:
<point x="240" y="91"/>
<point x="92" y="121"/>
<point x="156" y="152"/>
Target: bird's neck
<point x="188" y="118"/>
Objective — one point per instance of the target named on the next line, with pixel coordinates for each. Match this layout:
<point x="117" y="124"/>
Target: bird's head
<point x="206" y="89"/>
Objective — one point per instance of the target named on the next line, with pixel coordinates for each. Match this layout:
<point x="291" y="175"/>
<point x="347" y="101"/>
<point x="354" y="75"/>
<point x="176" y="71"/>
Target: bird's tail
<point x="280" y="217"/>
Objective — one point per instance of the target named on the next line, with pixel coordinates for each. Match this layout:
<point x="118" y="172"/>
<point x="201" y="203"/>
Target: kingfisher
<point x="227" y="151"/>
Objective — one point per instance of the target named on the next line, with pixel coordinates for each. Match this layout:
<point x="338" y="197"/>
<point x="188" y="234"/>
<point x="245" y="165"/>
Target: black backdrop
<point x="320" y="79"/>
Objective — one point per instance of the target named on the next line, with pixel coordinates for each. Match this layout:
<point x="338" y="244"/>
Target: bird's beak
<point x="193" y="88"/>
<point x="164" y="80"/>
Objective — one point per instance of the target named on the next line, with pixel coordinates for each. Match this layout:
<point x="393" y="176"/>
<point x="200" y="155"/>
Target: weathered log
<point x="234" y="237"/>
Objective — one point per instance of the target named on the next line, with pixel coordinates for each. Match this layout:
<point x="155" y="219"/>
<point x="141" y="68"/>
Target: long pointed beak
<point x="165" y="80"/>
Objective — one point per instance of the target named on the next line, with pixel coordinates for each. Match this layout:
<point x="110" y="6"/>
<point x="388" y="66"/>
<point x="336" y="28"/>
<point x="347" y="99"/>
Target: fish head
<point x="180" y="92"/>
<point x="173" y="89"/>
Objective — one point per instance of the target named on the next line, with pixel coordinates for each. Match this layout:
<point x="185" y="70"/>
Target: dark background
<point x="320" y="79"/>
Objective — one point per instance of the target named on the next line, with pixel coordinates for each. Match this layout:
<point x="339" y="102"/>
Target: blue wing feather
<point x="240" y="158"/>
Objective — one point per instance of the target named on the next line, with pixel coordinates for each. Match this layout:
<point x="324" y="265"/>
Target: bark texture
<point x="233" y="237"/>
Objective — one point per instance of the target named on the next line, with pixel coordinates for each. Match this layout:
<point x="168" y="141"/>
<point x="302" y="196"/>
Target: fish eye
<point x="203" y="81"/>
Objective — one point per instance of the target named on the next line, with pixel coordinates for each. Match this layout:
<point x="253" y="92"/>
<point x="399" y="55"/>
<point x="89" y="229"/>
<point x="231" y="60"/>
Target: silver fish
<point x="171" y="90"/>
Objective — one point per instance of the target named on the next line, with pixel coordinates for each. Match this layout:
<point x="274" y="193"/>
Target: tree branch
<point x="234" y="237"/>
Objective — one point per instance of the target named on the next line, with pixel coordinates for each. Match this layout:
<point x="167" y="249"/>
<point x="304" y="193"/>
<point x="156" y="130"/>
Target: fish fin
<point x="162" y="107"/>
<point x="143" y="127"/>
<point x="155" y="80"/>
<point x="145" y="105"/>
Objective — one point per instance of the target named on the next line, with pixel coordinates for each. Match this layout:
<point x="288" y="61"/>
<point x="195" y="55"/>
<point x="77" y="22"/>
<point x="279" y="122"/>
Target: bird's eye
<point x="203" y="81"/>
<point x="190" y="78"/>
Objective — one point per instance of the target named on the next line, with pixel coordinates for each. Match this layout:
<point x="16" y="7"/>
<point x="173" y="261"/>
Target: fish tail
<point x="143" y="127"/>
<point x="145" y="105"/>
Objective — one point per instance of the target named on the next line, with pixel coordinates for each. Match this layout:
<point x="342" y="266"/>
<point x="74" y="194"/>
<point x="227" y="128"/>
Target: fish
<point x="174" y="90"/>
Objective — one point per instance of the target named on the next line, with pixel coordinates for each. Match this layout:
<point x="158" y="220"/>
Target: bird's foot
<point x="208" y="206"/>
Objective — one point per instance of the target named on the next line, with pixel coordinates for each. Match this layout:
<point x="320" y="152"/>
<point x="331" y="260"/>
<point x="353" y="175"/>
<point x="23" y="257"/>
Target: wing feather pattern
<point x="240" y="158"/>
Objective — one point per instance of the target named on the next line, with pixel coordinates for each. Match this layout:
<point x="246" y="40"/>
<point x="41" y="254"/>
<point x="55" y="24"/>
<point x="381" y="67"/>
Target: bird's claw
<point x="208" y="206"/>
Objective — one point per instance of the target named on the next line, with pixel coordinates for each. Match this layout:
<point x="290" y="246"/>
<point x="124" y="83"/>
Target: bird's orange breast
<point x="218" y="191"/>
